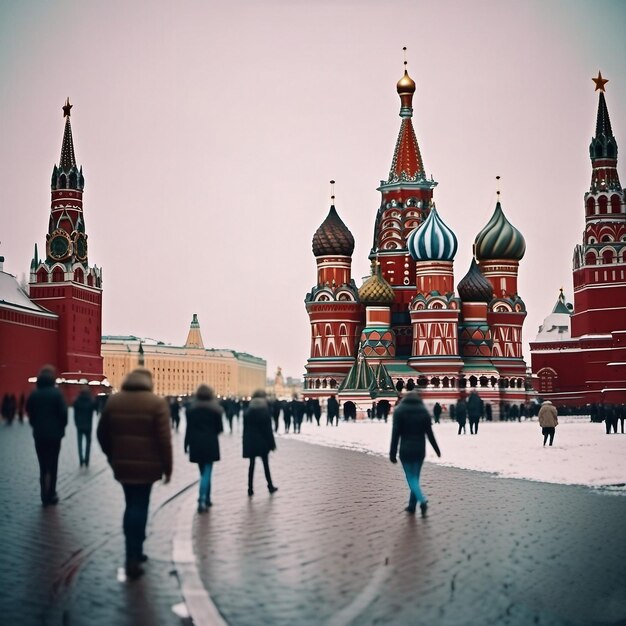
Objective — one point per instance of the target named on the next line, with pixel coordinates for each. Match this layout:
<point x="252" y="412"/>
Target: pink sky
<point x="208" y="132"/>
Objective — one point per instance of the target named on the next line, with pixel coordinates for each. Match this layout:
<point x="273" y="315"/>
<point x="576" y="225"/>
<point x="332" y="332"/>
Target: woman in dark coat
<point x="258" y="438"/>
<point x="461" y="414"/>
<point x="204" y="424"/>
<point x="411" y="426"/>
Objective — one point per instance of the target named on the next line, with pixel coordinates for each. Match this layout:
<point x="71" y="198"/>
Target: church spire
<point x="407" y="164"/>
<point x="194" y="338"/>
<point x="603" y="147"/>
<point x="68" y="159"/>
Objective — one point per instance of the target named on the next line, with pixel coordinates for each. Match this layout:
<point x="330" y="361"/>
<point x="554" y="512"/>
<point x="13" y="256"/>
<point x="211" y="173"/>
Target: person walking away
<point x="48" y="418"/>
<point x="621" y="415"/>
<point x="286" y="414"/>
<point x="175" y="413"/>
<point x="332" y="410"/>
<point x="258" y="438"/>
<point x="83" y="418"/>
<point x="297" y="411"/>
<point x="317" y="410"/>
<point x="437" y="412"/>
<point x="134" y="433"/>
<point x="548" y="420"/>
<point x="461" y="414"/>
<point x="21" y="408"/>
<point x="276" y="409"/>
<point x="474" y="411"/>
<point x="411" y="426"/>
<point x="204" y="424"/>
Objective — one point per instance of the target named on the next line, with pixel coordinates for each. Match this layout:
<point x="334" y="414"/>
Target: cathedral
<point x="579" y="355"/>
<point x="407" y="326"/>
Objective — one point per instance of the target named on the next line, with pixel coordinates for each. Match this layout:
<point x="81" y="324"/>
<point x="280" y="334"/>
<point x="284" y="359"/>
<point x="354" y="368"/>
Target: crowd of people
<point x="135" y="433"/>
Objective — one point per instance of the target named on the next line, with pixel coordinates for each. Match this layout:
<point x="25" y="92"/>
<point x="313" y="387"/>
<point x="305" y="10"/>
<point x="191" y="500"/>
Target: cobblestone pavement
<point x="333" y="546"/>
<point x="60" y="565"/>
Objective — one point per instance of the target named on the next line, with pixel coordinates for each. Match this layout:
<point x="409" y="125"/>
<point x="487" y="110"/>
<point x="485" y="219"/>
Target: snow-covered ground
<point x="582" y="453"/>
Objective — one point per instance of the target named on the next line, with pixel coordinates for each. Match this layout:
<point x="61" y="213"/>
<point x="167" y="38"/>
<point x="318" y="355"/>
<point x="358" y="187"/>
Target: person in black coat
<point x="286" y="414"/>
<point x="437" y="412"/>
<point x="258" y="438"/>
<point x="332" y="410"/>
<point x="297" y="411"/>
<point x="204" y="424"/>
<point x="474" y="411"/>
<point x="461" y="414"/>
<point x="175" y="413"/>
<point x="276" y="407"/>
<point x="83" y="418"/>
<point x="411" y="426"/>
<point x="47" y="411"/>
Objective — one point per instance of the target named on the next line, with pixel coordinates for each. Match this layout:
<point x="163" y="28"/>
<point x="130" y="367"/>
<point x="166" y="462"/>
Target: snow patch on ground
<point x="582" y="454"/>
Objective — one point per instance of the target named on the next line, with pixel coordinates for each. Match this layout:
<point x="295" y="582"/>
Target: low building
<point x="178" y="370"/>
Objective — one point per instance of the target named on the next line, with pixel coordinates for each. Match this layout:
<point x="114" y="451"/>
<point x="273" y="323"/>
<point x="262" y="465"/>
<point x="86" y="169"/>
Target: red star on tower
<point x="600" y="82"/>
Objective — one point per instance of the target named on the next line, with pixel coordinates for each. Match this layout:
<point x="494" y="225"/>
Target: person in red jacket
<point x="134" y="433"/>
<point x="411" y="426"/>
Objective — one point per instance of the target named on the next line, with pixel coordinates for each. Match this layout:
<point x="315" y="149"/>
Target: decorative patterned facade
<point x="406" y="323"/>
<point x="590" y="366"/>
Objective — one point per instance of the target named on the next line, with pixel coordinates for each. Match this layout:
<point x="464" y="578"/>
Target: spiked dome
<point x="499" y="239"/>
<point x="333" y="237"/>
<point x="432" y="240"/>
<point x="474" y="287"/>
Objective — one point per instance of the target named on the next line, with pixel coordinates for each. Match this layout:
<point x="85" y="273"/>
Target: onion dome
<point x="499" y="239"/>
<point x="376" y="290"/>
<point x="406" y="85"/>
<point x="474" y="287"/>
<point x="432" y="240"/>
<point x="333" y="237"/>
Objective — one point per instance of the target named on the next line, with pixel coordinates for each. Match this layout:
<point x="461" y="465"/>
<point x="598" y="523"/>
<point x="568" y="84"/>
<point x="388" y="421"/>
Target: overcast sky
<point x="208" y="132"/>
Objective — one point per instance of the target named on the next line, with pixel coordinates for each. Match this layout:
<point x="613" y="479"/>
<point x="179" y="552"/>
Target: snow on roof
<point x="13" y="296"/>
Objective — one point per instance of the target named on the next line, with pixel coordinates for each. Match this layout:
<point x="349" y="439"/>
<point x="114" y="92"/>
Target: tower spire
<point x="68" y="159"/>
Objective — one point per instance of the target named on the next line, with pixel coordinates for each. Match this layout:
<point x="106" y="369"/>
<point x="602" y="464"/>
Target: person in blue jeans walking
<point x="204" y="424"/>
<point x="411" y="426"/>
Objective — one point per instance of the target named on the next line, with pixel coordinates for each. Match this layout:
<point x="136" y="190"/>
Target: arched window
<point x="62" y="182"/>
<point x="473" y="381"/>
<point x="483" y="381"/>
<point x="607" y="256"/>
<point x="42" y="275"/>
<point x="547" y="380"/>
<point x="591" y="206"/>
<point x="590" y="258"/>
<point x="616" y="205"/>
<point x="603" y="202"/>
<point x="79" y="275"/>
<point x="446" y="382"/>
<point x="57" y="275"/>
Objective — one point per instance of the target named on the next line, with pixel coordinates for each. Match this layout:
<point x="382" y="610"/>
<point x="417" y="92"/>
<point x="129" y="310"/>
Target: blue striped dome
<point x="499" y="239"/>
<point x="432" y="240"/>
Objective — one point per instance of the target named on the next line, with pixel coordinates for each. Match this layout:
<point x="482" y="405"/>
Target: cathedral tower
<point x="63" y="282"/>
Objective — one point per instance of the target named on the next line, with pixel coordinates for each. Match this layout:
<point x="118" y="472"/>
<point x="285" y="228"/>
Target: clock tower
<point x="63" y="281"/>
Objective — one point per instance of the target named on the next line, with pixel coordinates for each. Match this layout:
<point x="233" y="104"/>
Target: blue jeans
<point x="135" y="518"/>
<point x="83" y="457"/>
<point x="205" y="482"/>
<point x="412" y="471"/>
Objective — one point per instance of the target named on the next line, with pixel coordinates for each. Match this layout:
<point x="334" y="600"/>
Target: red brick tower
<point x="591" y="365"/>
<point x="64" y="282"/>
<point x="335" y="312"/>
<point x="406" y="198"/>
<point x="599" y="281"/>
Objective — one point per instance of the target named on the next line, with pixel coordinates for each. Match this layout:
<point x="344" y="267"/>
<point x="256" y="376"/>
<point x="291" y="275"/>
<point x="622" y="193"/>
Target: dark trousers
<point x="266" y="469"/>
<point x="461" y="427"/>
<point x="135" y="518"/>
<point x="48" y="457"/>
<point x="83" y="457"/>
<point x="548" y="432"/>
<point x="473" y="426"/>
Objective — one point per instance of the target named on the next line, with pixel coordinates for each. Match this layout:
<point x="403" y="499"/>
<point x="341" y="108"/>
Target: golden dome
<point x="406" y="85"/>
<point x="376" y="290"/>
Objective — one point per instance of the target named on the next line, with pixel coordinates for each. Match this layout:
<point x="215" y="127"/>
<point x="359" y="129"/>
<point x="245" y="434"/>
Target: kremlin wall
<point x="409" y="324"/>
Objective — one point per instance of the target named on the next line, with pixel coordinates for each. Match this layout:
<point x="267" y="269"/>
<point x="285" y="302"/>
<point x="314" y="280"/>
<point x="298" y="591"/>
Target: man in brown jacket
<point x="548" y="420"/>
<point x="134" y="433"/>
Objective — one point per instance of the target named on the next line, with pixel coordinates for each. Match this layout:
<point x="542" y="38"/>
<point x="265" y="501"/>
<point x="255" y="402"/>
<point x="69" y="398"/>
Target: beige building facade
<point x="178" y="370"/>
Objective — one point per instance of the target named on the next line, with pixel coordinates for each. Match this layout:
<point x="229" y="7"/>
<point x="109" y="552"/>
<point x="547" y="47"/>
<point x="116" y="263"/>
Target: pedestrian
<point x="411" y="426"/>
<point x="437" y="412"/>
<point x="175" y="413"/>
<point x="621" y="415"/>
<point x="332" y="410"/>
<point x="488" y="412"/>
<point x="297" y="411"/>
<point x="276" y="409"/>
<point x="474" y="411"/>
<point x="134" y="433"/>
<point x="48" y="418"/>
<point x="317" y="410"/>
<point x="548" y="420"/>
<point x="204" y="424"/>
<point x="258" y="438"/>
<point x="461" y="414"/>
<point x="83" y="418"/>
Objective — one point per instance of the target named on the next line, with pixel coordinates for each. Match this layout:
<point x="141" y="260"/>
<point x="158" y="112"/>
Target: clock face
<point x="81" y="247"/>
<point x="59" y="247"/>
